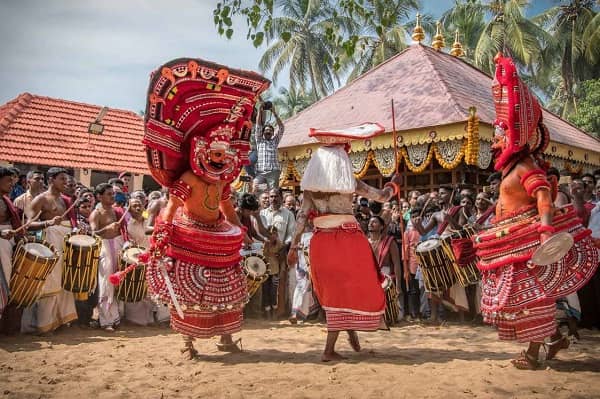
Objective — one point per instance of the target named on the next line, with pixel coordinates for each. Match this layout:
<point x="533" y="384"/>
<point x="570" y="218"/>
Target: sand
<point x="282" y="361"/>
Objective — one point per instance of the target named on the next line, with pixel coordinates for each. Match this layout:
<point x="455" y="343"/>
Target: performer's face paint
<point x="499" y="143"/>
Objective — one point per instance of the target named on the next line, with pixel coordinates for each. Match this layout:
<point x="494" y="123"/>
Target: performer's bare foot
<point x="353" y="340"/>
<point x="556" y="345"/>
<point x="332" y="357"/>
<point x="188" y="351"/>
<point x="526" y="361"/>
<point x="227" y="344"/>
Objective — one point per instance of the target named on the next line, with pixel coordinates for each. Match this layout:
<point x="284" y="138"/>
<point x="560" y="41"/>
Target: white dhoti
<point x="55" y="306"/>
<point x="6" y="252"/>
<point x="303" y="302"/>
<point x="108" y="309"/>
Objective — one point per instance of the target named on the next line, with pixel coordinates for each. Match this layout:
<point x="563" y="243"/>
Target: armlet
<point x="535" y="180"/>
<point x="181" y="190"/>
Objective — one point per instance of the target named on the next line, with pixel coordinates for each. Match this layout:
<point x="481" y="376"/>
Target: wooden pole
<point x="401" y="221"/>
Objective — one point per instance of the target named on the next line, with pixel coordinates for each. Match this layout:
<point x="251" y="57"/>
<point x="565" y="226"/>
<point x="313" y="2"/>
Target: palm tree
<point x="573" y="27"/>
<point x="299" y="41"/>
<point x="468" y="17"/>
<point x="509" y="31"/>
<point x="380" y="36"/>
<point x="290" y="102"/>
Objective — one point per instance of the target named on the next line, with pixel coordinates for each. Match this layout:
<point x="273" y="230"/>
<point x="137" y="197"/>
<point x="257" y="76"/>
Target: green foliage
<point x="587" y="116"/>
<point x="321" y="40"/>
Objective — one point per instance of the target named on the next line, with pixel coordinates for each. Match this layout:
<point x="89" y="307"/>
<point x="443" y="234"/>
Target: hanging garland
<point x="359" y="160"/>
<point x="573" y="168"/>
<point x="384" y="161"/>
<point x="416" y="149"/>
<point x="361" y="173"/>
<point x="449" y="153"/>
<point x="485" y="154"/>
<point x="472" y="137"/>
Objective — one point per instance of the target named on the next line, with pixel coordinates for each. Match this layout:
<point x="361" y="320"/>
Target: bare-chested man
<point x="56" y="306"/>
<point x="444" y="222"/>
<point x="104" y="222"/>
<point x="35" y="186"/>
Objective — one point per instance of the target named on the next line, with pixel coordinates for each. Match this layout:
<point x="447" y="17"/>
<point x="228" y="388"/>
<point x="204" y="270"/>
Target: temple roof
<point x="55" y="132"/>
<point x="429" y="89"/>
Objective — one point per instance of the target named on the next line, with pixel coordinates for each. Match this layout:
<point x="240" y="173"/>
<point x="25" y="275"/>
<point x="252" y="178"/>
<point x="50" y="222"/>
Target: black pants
<point x="269" y="292"/>
<point x="413" y="296"/>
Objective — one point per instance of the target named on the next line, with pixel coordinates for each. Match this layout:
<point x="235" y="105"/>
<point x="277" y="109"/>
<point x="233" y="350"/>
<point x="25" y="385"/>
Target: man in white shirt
<point x="285" y="222"/>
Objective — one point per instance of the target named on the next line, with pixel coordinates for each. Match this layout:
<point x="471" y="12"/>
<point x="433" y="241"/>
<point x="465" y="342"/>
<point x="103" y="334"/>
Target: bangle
<point x="393" y="186"/>
<point x="546" y="229"/>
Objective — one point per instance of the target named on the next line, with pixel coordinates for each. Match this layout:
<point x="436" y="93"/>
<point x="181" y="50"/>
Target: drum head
<point x="131" y="255"/>
<point x="255" y="266"/>
<point x="39" y="250"/>
<point x="81" y="240"/>
<point x="553" y="250"/>
<point x="428" y="245"/>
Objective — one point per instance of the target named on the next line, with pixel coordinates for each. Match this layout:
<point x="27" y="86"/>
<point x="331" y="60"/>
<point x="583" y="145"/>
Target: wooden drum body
<point x="134" y="287"/>
<point x="81" y="256"/>
<point x="255" y="268"/>
<point x="436" y="265"/>
<point x="33" y="261"/>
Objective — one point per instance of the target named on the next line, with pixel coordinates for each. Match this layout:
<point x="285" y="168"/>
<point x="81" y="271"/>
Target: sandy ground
<point x="282" y="361"/>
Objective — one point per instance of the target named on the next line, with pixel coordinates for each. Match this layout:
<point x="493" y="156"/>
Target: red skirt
<point x="211" y="289"/>
<point x="345" y="279"/>
<point x="517" y="297"/>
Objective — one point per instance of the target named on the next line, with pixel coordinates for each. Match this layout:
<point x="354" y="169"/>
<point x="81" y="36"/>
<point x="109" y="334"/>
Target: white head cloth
<point x="329" y="170"/>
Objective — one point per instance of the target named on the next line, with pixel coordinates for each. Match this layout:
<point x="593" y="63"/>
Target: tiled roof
<point x="54" y="132"/>
<point x="429" y="88"/>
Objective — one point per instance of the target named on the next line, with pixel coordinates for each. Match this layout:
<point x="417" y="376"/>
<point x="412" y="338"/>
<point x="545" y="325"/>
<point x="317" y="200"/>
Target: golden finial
<point x="438" y="40"/>
<point x="457" y="49"/>
<point x="418" y="33"/>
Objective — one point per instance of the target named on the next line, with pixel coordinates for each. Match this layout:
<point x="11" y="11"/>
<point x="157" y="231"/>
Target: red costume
<point x="345" y="278"/>
<point x="517" y="295"/>
<point x="197" y="111"/>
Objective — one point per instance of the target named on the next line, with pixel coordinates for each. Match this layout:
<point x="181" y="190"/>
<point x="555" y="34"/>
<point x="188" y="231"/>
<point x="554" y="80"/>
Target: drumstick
<point x="124" y="213"/>
<point x="24" y="226"/>
<point x="69" y="209"/>
<point x="425" y="206"/>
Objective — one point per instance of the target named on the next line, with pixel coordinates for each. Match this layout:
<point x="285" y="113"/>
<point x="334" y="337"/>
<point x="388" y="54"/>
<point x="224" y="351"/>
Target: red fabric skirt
<point x="345" y="279"/>
<point x="212" y="298"/>
<point x="519" y="297"/>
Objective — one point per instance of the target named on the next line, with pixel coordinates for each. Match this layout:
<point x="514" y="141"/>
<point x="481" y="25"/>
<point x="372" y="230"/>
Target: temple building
<point x="443" y="112"/>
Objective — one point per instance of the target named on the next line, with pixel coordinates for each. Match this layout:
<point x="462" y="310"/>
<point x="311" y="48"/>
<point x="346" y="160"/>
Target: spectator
<point x="267" y="164"/>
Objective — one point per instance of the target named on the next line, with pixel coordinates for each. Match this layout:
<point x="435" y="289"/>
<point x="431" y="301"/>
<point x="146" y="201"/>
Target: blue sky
<point x="102" y="51"/>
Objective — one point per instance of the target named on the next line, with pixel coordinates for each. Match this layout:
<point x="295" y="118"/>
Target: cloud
<point x="102" y="52"/>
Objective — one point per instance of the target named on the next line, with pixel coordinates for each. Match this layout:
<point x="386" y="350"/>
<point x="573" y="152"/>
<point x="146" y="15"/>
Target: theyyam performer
<point x="534" y="253"/>
<point x="198" y="124"/>
<point x="343" y="271"/>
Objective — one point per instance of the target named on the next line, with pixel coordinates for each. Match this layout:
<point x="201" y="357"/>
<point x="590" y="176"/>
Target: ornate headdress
<point x="518" y="114"/>
<point x="195" y="107"/>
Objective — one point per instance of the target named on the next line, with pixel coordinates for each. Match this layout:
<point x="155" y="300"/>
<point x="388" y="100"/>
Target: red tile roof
<point x="429" y="88"/>
<point x="54" y="132"/>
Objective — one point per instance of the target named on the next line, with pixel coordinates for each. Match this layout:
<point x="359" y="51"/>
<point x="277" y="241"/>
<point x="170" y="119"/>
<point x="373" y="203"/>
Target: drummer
<point x="56" y="306"/>
<point x="105" y="222"/>
<point x="444" y="223"/>
<point x="137" y="231"/>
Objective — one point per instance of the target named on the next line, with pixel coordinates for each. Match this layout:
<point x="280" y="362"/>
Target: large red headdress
<point x="518" y="114"/>
<point x="195" y="107"/>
